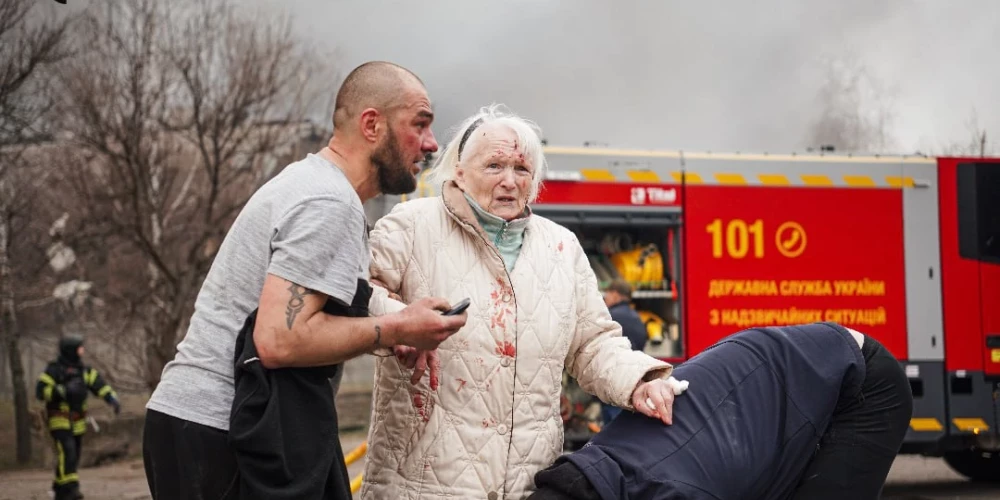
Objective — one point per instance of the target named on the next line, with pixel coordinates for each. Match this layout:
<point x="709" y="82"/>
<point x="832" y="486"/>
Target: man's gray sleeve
<point x="318" y="244"/>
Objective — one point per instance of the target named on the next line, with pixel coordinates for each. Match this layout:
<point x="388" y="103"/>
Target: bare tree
<point x="856" y="111"/>
<point x="178" y="112"/>
<point x="27" y="47"/>
<point x="977" y="142"/>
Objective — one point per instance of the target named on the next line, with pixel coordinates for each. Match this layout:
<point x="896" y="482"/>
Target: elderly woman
<point x="492" y="420"/>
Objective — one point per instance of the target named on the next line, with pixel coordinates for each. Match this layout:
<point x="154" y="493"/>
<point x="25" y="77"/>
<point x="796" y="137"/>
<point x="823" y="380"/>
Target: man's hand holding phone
<point x="422" y="325"/>
<point x="459" y="308"/>
<point x="418" y="351"/>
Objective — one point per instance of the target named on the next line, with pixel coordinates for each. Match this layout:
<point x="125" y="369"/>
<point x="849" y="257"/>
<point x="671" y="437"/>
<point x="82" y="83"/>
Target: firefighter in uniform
<point x="63" y="386"/>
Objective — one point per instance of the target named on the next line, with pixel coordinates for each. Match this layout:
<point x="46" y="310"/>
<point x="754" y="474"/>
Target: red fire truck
<point x="906" y="249"/>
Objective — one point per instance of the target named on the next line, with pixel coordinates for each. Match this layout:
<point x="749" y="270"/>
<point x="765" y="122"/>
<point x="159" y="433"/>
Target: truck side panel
<point x="772" y="243"/>
<point x="928" y="423"/>
<point x="923" y="265"/>
<point x="925" y="368"/>
<point x="960" y="296"/>
<point x="969" y="297"/>
<point x="978" y="196"/>
<point x="990" y="289"/>
<point x="979" y="239"/>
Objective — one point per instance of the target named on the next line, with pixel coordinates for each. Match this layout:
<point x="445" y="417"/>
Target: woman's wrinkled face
<point x="495" y="172"/>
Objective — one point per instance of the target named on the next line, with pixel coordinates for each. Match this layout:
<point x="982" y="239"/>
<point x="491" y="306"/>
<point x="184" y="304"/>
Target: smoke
<point x="719" y="76"/>
<point x="856" y="112"/>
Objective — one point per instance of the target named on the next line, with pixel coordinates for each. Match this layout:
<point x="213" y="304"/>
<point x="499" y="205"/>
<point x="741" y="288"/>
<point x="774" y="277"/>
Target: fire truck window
<point x="979" y="211"/>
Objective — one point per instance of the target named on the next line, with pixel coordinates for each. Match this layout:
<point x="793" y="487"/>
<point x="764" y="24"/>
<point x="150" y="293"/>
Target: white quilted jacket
<point x="494" y="420"/>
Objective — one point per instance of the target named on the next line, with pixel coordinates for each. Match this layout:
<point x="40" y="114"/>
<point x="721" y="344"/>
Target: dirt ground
<point x="911" y="477"/>
<point x="118" y="444"/>
<point x="120" y="481"/>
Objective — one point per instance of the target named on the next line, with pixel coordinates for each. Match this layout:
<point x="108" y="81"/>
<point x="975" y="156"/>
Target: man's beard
<point x="394" y="172"/>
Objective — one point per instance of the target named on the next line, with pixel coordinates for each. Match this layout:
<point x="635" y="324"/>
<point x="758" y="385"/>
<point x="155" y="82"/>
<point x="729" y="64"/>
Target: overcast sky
<point x="709" y="75"/>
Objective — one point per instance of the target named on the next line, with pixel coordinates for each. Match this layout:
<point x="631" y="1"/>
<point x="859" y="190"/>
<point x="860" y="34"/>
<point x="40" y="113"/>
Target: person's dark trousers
<point x="867" y="430"/>
<point x="66" y="484"/>
<point x="187" y="461"/>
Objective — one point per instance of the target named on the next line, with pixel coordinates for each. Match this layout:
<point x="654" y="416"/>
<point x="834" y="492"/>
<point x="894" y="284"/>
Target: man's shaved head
<point x="382" y="127"/>
<point x="377" y="84"/>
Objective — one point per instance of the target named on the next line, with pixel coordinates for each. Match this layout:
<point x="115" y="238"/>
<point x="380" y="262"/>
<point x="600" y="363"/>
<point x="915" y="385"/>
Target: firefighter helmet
<point x="654" y="326"/>
<point x="69" y="346"/>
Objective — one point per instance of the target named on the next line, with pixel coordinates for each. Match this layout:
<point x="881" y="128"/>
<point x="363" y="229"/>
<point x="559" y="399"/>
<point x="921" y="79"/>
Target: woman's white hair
<point x="529" y="137"/>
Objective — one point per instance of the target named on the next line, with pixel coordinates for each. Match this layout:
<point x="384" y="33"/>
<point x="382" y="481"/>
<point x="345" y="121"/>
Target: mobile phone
<point x="458" y="309"/>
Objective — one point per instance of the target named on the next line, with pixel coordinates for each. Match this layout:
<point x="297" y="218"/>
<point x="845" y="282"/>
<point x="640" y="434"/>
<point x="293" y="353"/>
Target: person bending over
<point x="812" y="411"/>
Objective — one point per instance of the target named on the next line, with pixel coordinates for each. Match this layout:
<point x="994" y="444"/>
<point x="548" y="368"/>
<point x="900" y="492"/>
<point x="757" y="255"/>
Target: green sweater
<point x="506" y="236"/>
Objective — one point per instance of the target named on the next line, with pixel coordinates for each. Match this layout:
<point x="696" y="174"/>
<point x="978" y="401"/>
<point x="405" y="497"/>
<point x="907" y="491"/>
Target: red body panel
<point x="854" y="238"/>
<point x="609" y="193"/>
<point x="990" y="307"/>
<point x="970" y="289"/>
<point x="850" y="269"/>
<point x="960" y="292"/>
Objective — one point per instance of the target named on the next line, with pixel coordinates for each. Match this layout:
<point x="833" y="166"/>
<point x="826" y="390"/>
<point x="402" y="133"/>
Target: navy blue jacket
<point x="632" y="327"/>
<point x="756" y="407"/>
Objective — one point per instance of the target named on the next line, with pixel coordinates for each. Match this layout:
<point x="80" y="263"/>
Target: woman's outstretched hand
<point x="656" y="398"/>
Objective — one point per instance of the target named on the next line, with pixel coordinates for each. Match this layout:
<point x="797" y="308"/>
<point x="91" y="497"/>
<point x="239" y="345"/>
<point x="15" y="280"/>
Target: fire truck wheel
<point x="977" y="465"/>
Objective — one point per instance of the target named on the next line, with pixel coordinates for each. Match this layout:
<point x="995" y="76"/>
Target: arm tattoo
<point x="378" y="336"/>
<point x="295" y="303"/>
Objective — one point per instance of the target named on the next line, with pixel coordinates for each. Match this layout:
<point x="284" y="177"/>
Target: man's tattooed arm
<point x="295" y="303"/>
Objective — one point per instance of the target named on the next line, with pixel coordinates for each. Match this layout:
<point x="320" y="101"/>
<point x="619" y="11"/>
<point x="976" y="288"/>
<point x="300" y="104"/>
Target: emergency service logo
<point x="654" y="195"/>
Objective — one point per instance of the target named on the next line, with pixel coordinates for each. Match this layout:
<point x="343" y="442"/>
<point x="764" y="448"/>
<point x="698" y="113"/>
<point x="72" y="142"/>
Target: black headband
<point x="465" y="136"/>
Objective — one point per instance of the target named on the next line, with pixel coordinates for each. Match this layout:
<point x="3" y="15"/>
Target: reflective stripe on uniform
<point x="61" y="458"/>
<point x="79" y="427"/>
<point x="68" y="478"/>
<point x="59" y="423"/>
<point x="45" y="378"/>
<point x="61" y="476"/>
<point x="104" y="391"/>
<point x="90" y="376"/>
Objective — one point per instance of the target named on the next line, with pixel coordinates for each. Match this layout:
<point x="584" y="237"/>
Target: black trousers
<point x="68" y="446"/>
<point x="857" y="451"/>
<point x="187" y="461"/>
<point x="854" y="455"/>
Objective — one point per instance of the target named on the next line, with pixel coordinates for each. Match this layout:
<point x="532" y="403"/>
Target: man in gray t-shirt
<point x="300" y="240"/>
<point x="307" y="226"/>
